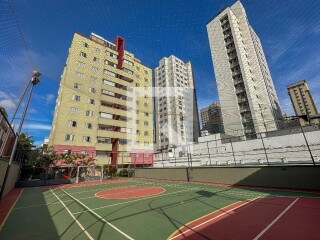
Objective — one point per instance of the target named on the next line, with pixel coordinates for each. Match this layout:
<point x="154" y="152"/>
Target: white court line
<point x="100" y="218"/>
<point x="275" y="220"/>
<point x="209" y="220"/>
<point x="79" y="224"/>
<point x="135" y="200"/>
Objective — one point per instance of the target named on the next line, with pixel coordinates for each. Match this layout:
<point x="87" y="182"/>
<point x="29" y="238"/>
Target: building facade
<point x="302" y="101"/>
<point x="104" y="104"/>
<point x="176" y="111"/>
<point x="211" y="118"/>
<point x="248" y="99"/>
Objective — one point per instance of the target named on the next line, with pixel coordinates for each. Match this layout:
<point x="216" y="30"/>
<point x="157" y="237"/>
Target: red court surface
<point x="262" y="218"/>
<point x="130" y="192"/>
<point x="8" y="203"/>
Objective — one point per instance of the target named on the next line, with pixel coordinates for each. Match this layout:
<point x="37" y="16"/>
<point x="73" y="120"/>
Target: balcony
<point x="114" y="122"/>
<point x="239" y="91"/>
<point x="120" y="101"/>
<point x="114" y="111"/>
<point x="232" y="56"/>
<point x="242" y="100"/>
<point x="103" y="146"/>
<point x="244" y="109"/>
<point x="236" y="73"/>
<point x="231" y="49"/>
<point x="113" y="134"/>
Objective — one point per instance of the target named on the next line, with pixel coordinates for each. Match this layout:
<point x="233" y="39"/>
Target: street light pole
<point x="35" y="79"/>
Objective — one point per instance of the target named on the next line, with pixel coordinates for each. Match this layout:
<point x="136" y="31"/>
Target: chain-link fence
<point x="289" y="146"/>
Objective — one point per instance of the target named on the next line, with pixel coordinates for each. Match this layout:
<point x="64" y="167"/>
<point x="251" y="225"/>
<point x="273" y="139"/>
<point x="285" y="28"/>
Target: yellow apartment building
<point x="104" y="104"/>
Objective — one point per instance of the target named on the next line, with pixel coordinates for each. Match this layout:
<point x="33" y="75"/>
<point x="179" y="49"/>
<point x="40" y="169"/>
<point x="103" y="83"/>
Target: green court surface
<point x="75" y="212"/>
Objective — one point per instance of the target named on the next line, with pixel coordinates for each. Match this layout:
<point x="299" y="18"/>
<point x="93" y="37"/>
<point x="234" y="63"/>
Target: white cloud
<point x="35" y="126"/>
<point x="49" y="98"/>
<point x="7" y="104"/>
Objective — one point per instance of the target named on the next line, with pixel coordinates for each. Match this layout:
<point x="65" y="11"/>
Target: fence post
<point x="162" y="158"/>
<point x="305" y="138"/>
<point x="188" y="147"/>
<point x="209" y="153"/>
<point x="143" y="159"/>
<point x="234" y="157"/>
<point x="134" y="166"/>
<point x="265" y="150"/>
<point x="175" y="158"/>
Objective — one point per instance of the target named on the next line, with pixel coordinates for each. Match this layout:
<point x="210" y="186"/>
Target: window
<point x="109" y="73"/>
<point x="89" y="113"/>
<point x="95" y="69"/>
<point x="146" y="114"/>
<point x="127" y="71"/>
<point x="74" y="110"/>
<point x="110" y="83"/>
<point x="110" y="54"/>
<point x="146" y="133"/>
<point x="93" y="79"/>
<point x="92" y="90"/>
<point x="80" y="75"/>
<point x="103" y="140"/>
<point x="95" y="59"/>
<point x="86" y="139"/>
<point x="81" y="64"/>
<point x="137" y="85"/>
<point x="83" y="54"/>
<point x="88" y="125"/>
<point x="77" y="85"/>
<point x="85" y="44"/>
<point x="106" y="115"/>
<point x="138" y="76"/>
<point x="96" y="49"/>
<point x="91" y="101"/>
<point x="106" y="92"/>
<point x="137" y="102"/>
<point x="145" y="104"/>
<point x="128" y="62"/>
<point x="137" y="121"/>
<point x="146" y="123"/>
<point x="69" y="137"/>
<point x="76" y="98"/>
<point x="145" y="72"/>
<point x="138" y="132"/>
<point x="145" y="79"/>
<point x="137" y="111"/>
<point x="137" y="143"/>
<point x="110" y="63"/>
<point x="138" y="68"/>
<point x="146" y="144"/>
<point x="72" y="123"/>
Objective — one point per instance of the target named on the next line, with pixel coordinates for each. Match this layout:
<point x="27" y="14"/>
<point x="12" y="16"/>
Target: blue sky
<point x="289" y="31"/>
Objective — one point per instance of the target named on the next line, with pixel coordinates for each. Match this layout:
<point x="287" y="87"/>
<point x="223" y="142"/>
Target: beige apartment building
<point x="247" y="95"/>
<point x="211" y="118"/>
<point x="302" y="101"/>
<point x="104" y="104"/>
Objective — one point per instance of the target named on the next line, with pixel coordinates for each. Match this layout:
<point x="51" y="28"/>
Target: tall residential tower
<point x="248" y="99"/>
<point x="176" y="111"/>
<point x="211" y="119"/>
<point x="302" y="100"/>
<point x="104" y="104"/>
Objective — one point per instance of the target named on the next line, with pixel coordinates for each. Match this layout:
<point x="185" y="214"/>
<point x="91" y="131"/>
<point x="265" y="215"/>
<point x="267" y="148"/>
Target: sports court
<point x="154" y="209"/>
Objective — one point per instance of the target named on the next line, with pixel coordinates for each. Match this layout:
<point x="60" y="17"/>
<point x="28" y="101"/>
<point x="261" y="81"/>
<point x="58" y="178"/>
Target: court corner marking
<point x="172" y="235"/>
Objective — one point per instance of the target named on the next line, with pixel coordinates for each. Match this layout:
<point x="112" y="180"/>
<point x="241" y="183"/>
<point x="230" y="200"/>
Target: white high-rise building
<point x="176" y="111"/>
<point x="249" y="102"/>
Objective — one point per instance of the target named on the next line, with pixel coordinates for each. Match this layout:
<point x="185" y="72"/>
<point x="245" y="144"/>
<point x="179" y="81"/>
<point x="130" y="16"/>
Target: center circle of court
<point x="130" y="192"/>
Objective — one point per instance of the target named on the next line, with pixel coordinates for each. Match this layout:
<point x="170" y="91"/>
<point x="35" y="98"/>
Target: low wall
<point x="12" y="177"/>
<point x="179" y="174"/>
<point x="298" y="177"/>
